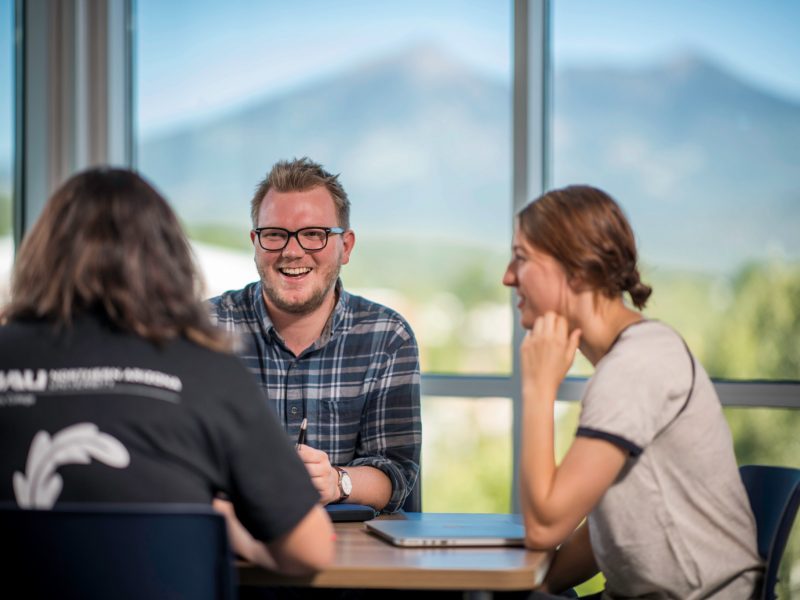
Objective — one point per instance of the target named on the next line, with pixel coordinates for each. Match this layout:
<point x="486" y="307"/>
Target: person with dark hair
<point x="652" y="467"/>
<point x="346" y="366"/>
<point x="116" y="387"/>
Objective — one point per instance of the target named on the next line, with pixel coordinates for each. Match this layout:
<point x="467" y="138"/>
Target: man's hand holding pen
<point x="323" y="475"/>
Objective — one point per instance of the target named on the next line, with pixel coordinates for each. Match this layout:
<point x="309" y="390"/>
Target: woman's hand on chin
<point x="547" y="353"/>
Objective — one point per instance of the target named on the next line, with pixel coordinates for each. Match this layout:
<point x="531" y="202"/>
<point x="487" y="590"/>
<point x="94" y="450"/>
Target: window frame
<point x="74" y="108"/>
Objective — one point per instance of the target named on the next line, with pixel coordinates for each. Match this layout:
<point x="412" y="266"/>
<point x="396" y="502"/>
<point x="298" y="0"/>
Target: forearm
<point x="537" y="462"/>
<point x="242" y="543"/>
<point x="572" y="564"/>
<point x="370" y="486"/>
<point x="556" y="499"/>
<point x="391" y="428"/>
<point x="308" y="547"/>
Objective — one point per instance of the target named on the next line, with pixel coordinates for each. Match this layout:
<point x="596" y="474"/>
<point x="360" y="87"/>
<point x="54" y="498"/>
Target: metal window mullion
<point x="529" y="152"/>
<point x="73" y="95"/>
<point x="119" y="83"/>
<point x="468" y="386"/>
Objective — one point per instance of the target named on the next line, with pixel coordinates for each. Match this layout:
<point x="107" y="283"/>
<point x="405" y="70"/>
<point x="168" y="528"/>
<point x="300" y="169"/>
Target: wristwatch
<point x="345" y="484"/>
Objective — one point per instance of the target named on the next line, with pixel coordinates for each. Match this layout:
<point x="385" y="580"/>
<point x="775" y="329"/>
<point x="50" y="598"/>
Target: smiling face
<point x="294" y="280"/>
<point x="539" y="279"/>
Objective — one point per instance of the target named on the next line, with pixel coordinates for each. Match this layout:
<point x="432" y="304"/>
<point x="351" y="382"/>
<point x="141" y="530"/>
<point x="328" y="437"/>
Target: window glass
<point x="408" y="100"/>
<point x="689" y="115"/>
<point x="467" y="454"/>
<point x="6" y="144"/>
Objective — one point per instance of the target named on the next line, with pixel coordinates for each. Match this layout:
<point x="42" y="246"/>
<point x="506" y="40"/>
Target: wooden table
<point x="365" y="561"/>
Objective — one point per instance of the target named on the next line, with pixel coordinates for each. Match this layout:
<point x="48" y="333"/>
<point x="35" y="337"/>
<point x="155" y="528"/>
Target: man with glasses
<point x="347" y="365"/>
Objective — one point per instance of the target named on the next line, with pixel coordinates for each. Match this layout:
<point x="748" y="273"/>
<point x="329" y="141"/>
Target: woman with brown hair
<point x="652" y="468"/>
<point x="115" y="387"/>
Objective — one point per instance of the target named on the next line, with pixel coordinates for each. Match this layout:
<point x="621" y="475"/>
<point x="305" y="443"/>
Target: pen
<point x="301" y="439"/>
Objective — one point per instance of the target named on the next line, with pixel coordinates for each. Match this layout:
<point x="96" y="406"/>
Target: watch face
<point x="347" y="484"/>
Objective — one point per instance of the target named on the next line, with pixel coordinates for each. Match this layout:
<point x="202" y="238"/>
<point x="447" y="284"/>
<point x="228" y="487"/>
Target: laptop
<point x="450" y="529"/>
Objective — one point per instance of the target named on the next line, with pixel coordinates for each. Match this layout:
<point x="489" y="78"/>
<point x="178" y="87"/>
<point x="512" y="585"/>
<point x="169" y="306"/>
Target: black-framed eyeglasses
<point x="311" y="239"/>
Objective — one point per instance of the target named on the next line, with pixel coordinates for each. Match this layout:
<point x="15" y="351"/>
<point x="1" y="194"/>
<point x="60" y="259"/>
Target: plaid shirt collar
<point x="334" y="325"/>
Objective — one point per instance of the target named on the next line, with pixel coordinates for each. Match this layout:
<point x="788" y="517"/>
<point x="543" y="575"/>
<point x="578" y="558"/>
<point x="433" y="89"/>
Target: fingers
<point x="311" y="455"/>
<point x="550" y="344"/>
<point x="223" y="507"/>
<point x="550" y="324"/>
<point x="574" y="341"/>
<point x="322" y="474"/>
<point x="538" y="326"/>
<point x="316" y="461"/>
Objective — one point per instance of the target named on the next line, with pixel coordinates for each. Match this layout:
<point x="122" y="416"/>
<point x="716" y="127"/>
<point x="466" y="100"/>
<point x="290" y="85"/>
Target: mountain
<point x="411" y="135"/>
<point x="705" y="164"/>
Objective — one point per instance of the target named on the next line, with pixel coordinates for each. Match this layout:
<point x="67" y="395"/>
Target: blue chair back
<point x="774" y="494"/>
<point x="117" y="551"/>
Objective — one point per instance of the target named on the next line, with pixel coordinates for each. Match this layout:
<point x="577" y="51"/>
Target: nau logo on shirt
<point x="25" y="380"/>
<point x="40" y="485"/>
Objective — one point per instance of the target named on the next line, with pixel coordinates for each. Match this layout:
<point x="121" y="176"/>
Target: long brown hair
<point x="585" y="230"/>
<point x="107" y="242"/>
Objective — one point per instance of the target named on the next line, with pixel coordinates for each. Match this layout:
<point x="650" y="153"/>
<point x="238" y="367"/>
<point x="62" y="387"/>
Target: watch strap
<point x="341" y="473"/>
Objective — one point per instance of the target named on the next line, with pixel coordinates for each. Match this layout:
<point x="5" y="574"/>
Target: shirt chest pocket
<point x="346" y="409"/>
<point x="339" y="425"/>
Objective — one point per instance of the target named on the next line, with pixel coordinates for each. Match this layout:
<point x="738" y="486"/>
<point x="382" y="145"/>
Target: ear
<point x="576" y="284"/>
<point x="252" y="237"/>
<point x="348" y="242"/>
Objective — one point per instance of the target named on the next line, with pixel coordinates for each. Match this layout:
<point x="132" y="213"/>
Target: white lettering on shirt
<point x="84" y="379"/>
<point x="23" y="380"/>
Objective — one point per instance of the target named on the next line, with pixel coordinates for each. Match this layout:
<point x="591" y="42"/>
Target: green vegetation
<point x="689" y="302"/>
<point x="758" y="336"/>
<point x="6" y="215"/>
<point x="451" y="293"/>
<point x="466" y="455"/>
<point x="422" y="267"/>
<point x="226" y="236"/>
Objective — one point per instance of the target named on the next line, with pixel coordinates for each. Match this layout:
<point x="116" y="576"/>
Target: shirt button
<point x="293" y="410"/>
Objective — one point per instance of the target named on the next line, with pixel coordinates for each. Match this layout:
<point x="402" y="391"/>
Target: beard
<point x="298" y="307"/>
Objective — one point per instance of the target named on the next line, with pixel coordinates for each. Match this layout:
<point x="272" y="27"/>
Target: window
<point x="409" y="101"/>
<point x="467" y="454"/>
<point x="693" y="125"/>
<point x="705" y="171"/>
<point x="6" y="144"/>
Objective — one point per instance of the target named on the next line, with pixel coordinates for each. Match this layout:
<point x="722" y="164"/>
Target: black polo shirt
<point x="93" y="414"/>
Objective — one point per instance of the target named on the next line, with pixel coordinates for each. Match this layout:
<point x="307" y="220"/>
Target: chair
<point x="774" y="494"/>
<point x="121" y="551"/>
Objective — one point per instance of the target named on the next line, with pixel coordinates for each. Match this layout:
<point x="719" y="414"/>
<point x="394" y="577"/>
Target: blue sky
<point x="6" y="79"/>
<point x="237" y="50"/>
<point x="252" y="48"/>
<point x="759" y="39"/>
<point x="199" y="57"/>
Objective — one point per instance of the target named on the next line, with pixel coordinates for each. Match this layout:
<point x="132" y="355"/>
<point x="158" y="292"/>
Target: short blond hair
<point x="299" y="175"/>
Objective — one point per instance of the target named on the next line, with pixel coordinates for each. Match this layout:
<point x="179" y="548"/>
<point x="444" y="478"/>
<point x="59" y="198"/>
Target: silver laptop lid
<point x="451" y="529"/>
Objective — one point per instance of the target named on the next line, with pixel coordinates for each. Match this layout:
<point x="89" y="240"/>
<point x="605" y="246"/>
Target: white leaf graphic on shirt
<point x="40" y="486"/>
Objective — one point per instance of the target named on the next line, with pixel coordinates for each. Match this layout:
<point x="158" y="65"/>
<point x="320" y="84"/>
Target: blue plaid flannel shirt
<point x="358" y="384"/>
